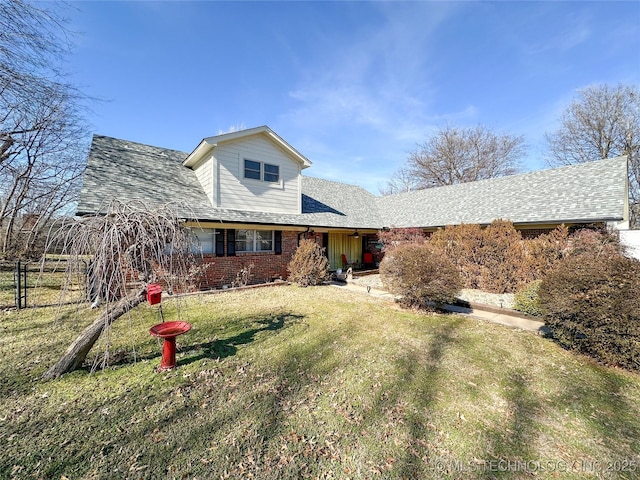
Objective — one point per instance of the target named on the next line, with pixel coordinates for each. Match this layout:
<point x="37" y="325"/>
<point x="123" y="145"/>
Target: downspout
<point x="303" y="233"/>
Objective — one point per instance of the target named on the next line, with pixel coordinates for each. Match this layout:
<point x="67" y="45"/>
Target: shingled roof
<point x="124" y="170"/>
<point x="589" y="192"/>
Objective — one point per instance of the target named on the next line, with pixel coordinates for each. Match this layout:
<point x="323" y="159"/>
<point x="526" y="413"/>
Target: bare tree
<point x="128" y="247"/>
<point x="402" y="180"/>
<point x="458" y="155"/>
<point x="42" y="134"/>
<point x="602" y="122"/>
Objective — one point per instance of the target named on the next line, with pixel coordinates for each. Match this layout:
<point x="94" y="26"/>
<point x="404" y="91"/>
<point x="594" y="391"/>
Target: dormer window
<point x="271" y="173"/>
<point x="252" y="169"/>
<point x="261" y="171"/>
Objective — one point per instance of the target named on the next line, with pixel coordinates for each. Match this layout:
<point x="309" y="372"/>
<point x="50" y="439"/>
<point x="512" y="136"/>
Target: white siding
<point x="239" y="193"/>
<point x="631" y="240"/>
<point x="204" y="172"/>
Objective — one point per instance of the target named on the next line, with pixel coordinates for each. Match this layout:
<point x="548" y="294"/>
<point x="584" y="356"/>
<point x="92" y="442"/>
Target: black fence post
<point x="20" y="282"/>
<point x="17" y="277"/>
<point x="24" y="284"/>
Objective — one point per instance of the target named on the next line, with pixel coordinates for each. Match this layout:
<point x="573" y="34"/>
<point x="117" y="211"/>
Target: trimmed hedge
<point x="544" y="251"/>
<point x="503" y="258"/>
<point x="462" y="244"/>
<point x="492" y="259"/>
<point x="420" y="275"/>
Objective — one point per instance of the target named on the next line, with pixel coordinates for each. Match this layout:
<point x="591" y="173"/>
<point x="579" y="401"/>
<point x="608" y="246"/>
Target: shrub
<point x="399" y="236"/>
<point x="526" y="299"/>
<point x="595" y="242"/>
<point x="545" y="250"/>
<point x="503" y="258"/>
<point x="492" y="259"/>
<point x="309" y="265"/>
<point x="592" y="305"/>
<point x="420" y="275"/>
<point x="462" y="244"/>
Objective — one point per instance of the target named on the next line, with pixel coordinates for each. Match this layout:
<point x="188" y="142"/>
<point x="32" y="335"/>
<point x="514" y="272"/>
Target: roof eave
<point x="574" y="221"/>
<point x="203" y="148"/>
<point x="207" y="144"/>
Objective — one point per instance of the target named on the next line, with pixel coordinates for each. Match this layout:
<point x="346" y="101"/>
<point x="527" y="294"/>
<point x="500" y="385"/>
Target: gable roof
<point x="209" y="143"/>
<point x="584" y="193"/>
<point x="587" y="192"/>
<point x="124" y="170"/>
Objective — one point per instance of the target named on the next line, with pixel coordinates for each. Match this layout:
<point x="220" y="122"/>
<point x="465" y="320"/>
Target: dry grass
<point x="289" y="382"/>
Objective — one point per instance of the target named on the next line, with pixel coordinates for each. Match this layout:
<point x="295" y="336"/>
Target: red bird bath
<point x="168" y="331"/>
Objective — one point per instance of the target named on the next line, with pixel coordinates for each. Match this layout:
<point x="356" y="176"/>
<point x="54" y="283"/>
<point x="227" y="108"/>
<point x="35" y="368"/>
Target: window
<point x="254" y="241"/>
<point x="261" y="171"/>
<point x="208" y="238"/>
<point x="271" y="173"/>
<point x="252" y="169"/>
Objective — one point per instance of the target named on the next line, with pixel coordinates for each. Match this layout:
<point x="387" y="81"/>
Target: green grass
<point x="43" y="288"/>
<point x="310" y="383"/>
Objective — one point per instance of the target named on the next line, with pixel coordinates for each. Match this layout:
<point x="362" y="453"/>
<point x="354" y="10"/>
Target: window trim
<point x="255" y="241"/>
<point x="263" y="174"/>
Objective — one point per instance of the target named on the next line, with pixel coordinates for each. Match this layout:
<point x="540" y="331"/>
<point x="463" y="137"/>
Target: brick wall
<point x="266" y="266"/>
<point x="531" y="233"/>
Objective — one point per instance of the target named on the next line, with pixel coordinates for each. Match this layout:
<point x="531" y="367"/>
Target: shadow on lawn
<point x="424" y="377"/>
<point x="227" y="347"/>
<point x="605" y="412"/>
<point x="216" y="349"/>
<point x="513" y="442"/>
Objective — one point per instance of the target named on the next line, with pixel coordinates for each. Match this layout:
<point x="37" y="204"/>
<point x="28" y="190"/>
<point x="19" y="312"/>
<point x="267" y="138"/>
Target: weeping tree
<point x="122" y="251"/>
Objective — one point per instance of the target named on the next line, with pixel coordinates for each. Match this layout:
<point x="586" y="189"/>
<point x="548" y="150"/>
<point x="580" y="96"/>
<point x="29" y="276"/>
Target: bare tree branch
<point x="457" y="155"/>
<point x="42" y="135"/>
<point x="602" y="122"/>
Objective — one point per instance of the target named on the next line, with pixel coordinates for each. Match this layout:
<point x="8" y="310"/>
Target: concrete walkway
<point x="506" y="317"/>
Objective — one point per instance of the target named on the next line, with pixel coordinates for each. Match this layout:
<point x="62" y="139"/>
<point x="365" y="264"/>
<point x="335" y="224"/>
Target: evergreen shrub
<point x="503" y="258"/>
<point x="526" y="299"/>
<point x="592" y="304"/>
<point x="462" y="244"/>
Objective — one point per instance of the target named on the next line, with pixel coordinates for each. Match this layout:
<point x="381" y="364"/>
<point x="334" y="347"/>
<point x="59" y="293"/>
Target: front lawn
<point x="287" y="382"/>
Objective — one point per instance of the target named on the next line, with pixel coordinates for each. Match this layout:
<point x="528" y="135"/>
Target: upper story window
<point x="252" y="169"/>
<point x="261" y="171"/>
<point x="271" y="173"/>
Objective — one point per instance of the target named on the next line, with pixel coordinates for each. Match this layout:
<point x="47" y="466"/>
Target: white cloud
<point x="378" y="79"/>
<point x="233" y="128"/>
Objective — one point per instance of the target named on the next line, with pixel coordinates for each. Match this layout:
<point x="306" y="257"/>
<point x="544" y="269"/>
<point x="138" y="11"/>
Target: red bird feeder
<point x="168" y="331"/>
<point x="154" y="293"/>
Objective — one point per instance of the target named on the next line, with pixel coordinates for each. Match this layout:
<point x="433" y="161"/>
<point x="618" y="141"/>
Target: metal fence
<point x="38" y="284"/>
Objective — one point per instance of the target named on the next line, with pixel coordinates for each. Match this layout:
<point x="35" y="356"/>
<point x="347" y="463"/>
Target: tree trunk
<point x="75" y="355"/>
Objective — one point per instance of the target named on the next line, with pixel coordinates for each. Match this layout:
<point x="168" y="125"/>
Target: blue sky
<point x="354" y="86"/>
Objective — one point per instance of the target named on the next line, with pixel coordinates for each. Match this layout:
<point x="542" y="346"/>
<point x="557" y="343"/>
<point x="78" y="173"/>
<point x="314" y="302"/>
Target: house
<point x="247" y="200"/>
